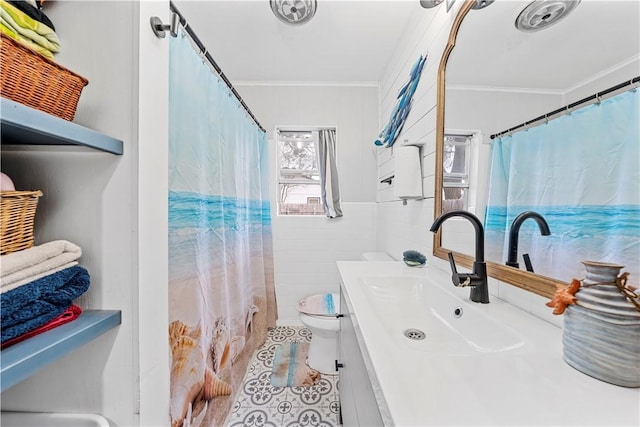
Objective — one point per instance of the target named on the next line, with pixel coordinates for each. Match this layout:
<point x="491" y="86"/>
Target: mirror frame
<point x="538" y="284"/>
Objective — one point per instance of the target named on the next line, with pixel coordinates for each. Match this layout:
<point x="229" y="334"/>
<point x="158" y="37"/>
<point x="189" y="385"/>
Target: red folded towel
<point x="67" y="316"/>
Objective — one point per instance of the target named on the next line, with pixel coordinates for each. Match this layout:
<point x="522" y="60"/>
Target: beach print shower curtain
<point x="221" y="294"/>
<point x="581" y="171"/>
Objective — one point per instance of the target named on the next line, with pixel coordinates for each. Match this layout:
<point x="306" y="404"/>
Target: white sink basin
<point x="450" y="324"/>
<point x="496" y="365"/>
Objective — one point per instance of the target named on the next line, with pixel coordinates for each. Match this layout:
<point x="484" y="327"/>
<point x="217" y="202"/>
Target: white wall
<point x="491" y="110"/>
<point x="306" y="248"/>
<point x="152" y="219"/>
<point x="98" y="201"/>
<point x="610" y="77"/>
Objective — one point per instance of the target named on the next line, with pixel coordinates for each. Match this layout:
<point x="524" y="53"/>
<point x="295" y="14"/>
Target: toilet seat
<point x="321" y="323"/>
<point x="321" y="305"/>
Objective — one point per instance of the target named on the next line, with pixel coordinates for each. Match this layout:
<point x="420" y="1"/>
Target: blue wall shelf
<point x="25" y="358"/>
<point x="22" y="125"/>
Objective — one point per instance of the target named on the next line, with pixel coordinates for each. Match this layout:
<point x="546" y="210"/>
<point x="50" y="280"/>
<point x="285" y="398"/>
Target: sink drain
<point x="457" y="313"/>
<point x="414" y="334"/>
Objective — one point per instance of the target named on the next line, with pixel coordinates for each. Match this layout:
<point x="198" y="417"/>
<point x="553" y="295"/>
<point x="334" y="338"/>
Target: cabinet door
<point x="347" y="346"/>
<point x="357" y="400"/>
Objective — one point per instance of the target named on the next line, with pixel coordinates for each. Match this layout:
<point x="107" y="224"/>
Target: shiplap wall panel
<point x="416" y="132"/>
<point x="428" y="184"/>
<point x="417" y="43"/>
<point x="385" y="193"/>
<point x="401" y="227"/>
<point x="428" y="143"/>
<point x="430" y="29"/>
<point x="385" y="169"/>
<point x="384" y="155"/>
<point x="401" y="62"/>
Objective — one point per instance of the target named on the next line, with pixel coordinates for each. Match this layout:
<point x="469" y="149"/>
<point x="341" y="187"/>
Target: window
<point x="298" y="174"/>
<point x="455" y="182"/>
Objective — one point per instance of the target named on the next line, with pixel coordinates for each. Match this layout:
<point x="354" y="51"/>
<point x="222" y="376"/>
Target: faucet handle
<point x="455" y="277"/>
<point x="527" y="263"/>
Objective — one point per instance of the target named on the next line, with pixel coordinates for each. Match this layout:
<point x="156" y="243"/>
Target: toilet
<point x="318" y="314"/>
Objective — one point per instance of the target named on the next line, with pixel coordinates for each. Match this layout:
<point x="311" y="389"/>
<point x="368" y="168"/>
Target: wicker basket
<point x="17" y="214"/>
<point x="33" y="80"/>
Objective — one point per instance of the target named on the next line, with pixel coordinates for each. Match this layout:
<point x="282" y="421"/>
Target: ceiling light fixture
<point x="294" y="12"/>
<point x="428" y="4"/>
<point x="541" y="14"/>
<point x="481" y="4"/>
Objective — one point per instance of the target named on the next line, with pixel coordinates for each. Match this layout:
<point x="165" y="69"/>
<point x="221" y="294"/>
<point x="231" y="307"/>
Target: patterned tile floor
<point x="259" y="404"/>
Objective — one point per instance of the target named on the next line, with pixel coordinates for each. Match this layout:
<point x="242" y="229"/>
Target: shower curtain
<point x="221" y="292"/>
<point x="581" y="171"/>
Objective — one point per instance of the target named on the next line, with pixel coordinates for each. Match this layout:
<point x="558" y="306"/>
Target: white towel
<point x="17" y="284"/>
<point x="38" y="261"/>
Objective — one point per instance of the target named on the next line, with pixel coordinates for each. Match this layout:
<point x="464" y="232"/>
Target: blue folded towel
<point x="34" y="304"/>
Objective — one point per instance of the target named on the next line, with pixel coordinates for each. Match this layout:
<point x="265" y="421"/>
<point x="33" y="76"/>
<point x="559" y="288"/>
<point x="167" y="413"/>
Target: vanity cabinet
<point x="358" y="404"/>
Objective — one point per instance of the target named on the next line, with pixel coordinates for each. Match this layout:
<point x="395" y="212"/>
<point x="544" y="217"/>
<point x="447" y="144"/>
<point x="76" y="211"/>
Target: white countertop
<point x="530" y="385"/>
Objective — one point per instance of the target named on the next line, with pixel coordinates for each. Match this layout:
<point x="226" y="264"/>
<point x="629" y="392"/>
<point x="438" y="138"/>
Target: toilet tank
<point x="376" y="256"/>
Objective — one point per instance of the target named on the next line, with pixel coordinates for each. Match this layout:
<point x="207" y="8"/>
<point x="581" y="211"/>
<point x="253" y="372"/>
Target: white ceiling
<point x="346" y="41"/>
<point x="353" y="41"/>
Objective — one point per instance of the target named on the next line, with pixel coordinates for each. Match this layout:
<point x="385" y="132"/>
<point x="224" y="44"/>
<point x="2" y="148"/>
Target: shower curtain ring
<point x="203" y="54"/>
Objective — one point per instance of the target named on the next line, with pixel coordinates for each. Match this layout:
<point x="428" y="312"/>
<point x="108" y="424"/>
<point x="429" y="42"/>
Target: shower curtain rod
<point x="216" y="67"/>
<point x="595" y="98"/>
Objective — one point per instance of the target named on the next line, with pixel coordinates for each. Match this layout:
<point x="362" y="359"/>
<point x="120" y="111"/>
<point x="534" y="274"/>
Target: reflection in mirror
<point x="498" y="77"/>
<point x="455" y="172"/>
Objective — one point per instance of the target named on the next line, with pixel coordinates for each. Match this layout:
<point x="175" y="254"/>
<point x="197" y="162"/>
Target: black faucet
<point x="477" y="280"/>
<point x="512" y="260"/>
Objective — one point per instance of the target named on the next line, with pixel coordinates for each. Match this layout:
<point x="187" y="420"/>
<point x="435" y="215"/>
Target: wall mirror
<point x="493" y="77"/>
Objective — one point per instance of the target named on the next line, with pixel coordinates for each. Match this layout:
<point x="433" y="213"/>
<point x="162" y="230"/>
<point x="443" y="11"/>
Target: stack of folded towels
<point x="38" y="286"/>
<point x="25" y="22"/>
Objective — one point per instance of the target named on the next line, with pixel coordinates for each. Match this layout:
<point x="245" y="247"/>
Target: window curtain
<point x="581" y="172"/>
<point x="330" y="191"/>
<point x="221" y="290"/>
